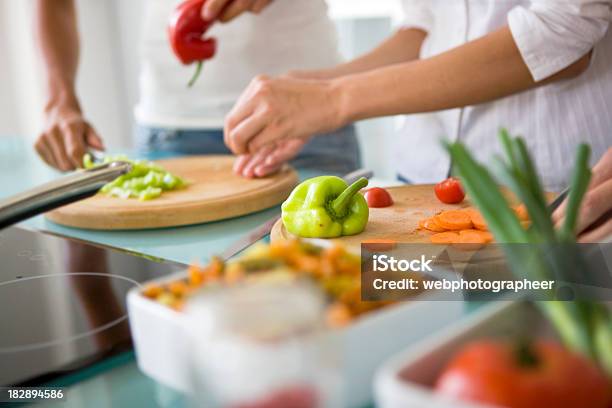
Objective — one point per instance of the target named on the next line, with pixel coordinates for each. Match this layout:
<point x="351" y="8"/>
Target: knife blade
<point x="554" y="204"/>
<point x="264" y="229"/>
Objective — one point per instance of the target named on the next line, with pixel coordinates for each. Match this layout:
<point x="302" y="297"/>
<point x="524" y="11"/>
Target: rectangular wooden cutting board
<point x="399" y="222"/>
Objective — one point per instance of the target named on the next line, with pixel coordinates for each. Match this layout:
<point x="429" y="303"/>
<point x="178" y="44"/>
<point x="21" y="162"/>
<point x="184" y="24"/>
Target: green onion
<point x="579" y="184"/>
<point x="583" y="326"/>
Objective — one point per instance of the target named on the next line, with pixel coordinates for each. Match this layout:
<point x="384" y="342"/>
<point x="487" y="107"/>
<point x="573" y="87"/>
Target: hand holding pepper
<point x="185" y="33"/>
<point x="192" y="19"/>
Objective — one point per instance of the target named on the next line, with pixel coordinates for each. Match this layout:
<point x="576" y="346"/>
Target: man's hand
<point x="268" y="160"/>
<point x="227" y="10"/>
<point x="67" y="135"/>
<point x="66" y="138"/>
<point x="271" y="111"/>
<point x="595" y="216"/>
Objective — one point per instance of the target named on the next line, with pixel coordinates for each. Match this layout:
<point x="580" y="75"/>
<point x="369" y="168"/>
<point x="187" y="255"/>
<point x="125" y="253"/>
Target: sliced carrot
<point x="448" y="237"/>
<point x="430" y="224"/>
<point x="477" y="219"/>
<point x="474" y="236"/>
<point x="521" y="212"/>
<point x="487" y="236"/>
<point x="454" y="220"/>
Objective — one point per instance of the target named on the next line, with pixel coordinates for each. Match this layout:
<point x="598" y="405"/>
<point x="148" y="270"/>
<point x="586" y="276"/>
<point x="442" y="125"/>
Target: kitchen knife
<point x="264" y="229"/>
<point x="68" y="189"/>
<point x="554" y="204"/>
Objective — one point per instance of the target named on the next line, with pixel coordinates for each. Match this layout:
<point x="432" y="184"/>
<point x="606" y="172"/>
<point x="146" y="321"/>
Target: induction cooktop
<point x="63" y="303"/>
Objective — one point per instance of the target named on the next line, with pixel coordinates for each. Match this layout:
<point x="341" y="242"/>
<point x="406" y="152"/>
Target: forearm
<point x="403" y="46"/>
<point x="57" y="37"/>
<point x="480" y="71"/>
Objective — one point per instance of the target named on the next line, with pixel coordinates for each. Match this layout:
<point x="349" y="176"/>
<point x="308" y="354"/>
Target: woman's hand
<point x="271" y="111"/>
<point x="595" y="216"/>
<point x="227" y="10"/>
<point x="268" y="160"/>
<point x="66" y="138"/>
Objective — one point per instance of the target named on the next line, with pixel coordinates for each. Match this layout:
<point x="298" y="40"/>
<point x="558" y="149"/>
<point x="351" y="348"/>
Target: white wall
<point x="20" y="99"/>
<point x="107" y="80"/>
<point x="101" y="82"/>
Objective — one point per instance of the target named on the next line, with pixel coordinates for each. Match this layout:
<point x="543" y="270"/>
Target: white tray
<point x="162" y="346"/>
<point x="421" y="363"/>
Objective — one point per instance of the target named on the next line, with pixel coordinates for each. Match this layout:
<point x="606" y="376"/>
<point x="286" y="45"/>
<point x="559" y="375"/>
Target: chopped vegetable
<point x="468" y="223"/>
<point x="336" y="271"/>
<point x="454" y="220"/>
<point x="326" y="207"/>
<point x="448" y="237"/>
<point x="449" y="191"/>
<point x="431" y="225"/>
<point x="146" y="181"/>
<point x="474" y="236"/>
<point x="477" y="219"/>
<point x="377" y="197"/>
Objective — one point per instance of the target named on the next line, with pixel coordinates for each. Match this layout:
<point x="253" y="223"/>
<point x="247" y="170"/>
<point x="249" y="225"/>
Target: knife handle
<point x="56" y="193"/>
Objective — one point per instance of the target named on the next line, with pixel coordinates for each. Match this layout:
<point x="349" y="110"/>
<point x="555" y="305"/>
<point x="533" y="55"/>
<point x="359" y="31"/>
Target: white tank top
<point x="288" y="34"/>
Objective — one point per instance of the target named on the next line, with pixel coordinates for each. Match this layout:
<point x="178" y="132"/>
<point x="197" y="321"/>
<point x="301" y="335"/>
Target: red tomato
<point x="449" y="191"/>
<point x="491" y="372"/>
<point x="378" y="197"/>
<point x="292" y="397"/>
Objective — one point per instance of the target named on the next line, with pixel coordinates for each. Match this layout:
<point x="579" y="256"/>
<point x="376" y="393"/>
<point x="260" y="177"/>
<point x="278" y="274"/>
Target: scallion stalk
<point x="583" y="326"/>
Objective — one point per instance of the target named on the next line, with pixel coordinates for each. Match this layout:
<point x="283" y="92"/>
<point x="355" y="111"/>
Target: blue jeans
<point x="403" y="179"/>
<point x="334" y="153"/>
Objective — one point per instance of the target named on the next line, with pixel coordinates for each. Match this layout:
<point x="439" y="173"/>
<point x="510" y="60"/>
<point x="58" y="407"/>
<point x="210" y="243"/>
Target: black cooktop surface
<point x="63" y="303"/>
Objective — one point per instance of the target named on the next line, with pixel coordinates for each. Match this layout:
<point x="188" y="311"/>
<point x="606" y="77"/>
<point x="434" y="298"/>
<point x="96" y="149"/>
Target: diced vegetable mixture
<point x="335" y="270"/>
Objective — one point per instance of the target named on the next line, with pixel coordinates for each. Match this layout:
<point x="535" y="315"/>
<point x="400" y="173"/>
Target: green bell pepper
<point x="326" y="207"/>
<point x="146" y="181"/>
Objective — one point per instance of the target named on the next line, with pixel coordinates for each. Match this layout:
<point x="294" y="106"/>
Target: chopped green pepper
<point x="326" y="207"/>
<point x="145" y="181"/>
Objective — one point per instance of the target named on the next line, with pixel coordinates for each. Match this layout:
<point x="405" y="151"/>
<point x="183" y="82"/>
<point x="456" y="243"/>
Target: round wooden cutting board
<point x="214" y="193"/>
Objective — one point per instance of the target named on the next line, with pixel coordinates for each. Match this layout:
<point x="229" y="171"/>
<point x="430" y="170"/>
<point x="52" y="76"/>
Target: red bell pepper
<point x="186" y="30"/>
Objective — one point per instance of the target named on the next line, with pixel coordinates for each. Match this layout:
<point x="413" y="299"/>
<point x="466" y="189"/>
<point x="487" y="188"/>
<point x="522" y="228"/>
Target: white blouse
<point x="551" y="35"/>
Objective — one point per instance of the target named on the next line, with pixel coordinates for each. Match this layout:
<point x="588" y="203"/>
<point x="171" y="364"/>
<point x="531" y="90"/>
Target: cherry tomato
<point x="449" y="191"/>
<point x="544" y="374"/>
<point x="378" y="197"/>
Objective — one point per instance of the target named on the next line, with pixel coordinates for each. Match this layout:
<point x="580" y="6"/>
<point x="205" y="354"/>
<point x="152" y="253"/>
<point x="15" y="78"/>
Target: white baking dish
<point x="162" y="345"/>
<point x="421" y="363"/>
